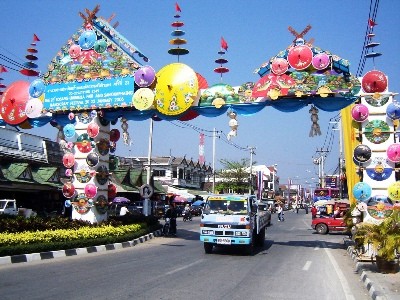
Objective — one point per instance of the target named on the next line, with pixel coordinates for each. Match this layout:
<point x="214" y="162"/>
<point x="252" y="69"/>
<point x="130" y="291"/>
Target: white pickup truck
<point x="233" y="220"/>
<point x="9" y="207"/>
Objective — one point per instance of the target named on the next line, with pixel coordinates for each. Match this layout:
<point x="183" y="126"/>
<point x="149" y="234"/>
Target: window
<point x="174" y="174"/>
<point x="159" y="173"/>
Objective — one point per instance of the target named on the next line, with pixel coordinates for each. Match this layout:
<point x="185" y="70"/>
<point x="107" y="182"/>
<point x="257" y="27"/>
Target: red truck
<point x="325" y="223"/>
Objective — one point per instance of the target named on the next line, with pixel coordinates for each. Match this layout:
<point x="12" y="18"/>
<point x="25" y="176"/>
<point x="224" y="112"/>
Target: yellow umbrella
<point x="143" y="99"/>
<point x="394" y="191"/>
<point x="177" y="87"/>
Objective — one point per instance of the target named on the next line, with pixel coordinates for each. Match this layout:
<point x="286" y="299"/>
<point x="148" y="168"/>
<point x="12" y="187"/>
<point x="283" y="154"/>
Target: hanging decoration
<point x="233" y="124"/>
<point x="29" y="66"/>
<point x="315" y="129"/>
<point x="177" y="34"/>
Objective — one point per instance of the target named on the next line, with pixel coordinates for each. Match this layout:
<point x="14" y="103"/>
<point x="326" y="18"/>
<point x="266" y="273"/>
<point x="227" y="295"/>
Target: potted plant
<point x="384" y="239"/>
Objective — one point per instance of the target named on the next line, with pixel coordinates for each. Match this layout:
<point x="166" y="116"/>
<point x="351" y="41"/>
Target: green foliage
<point x="21" y="235"/>
<point x="384" y="237"/>
<point x="234" y="176"/>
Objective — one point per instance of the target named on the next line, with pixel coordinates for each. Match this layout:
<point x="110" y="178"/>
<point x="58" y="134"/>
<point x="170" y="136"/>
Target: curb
<point x="23" y="258"/>
<point x="374" y="292"/>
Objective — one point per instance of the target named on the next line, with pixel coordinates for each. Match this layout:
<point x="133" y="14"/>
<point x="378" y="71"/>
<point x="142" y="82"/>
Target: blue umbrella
<point x="198" y="203"/>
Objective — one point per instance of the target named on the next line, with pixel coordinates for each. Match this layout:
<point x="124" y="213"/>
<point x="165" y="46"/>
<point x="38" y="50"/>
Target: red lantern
<point x="68" y="190"/>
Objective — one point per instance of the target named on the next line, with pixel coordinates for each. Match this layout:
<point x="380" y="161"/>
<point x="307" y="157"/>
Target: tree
<point x="234" y="176"/>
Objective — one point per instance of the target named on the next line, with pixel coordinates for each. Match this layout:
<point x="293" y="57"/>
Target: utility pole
<point x="321" y="161"/>
<point x="251" y="168"/>
<point x="213" y="161"/>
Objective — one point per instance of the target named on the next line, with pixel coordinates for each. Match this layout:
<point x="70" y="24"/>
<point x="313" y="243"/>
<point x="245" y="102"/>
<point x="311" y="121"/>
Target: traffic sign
<point x="146" y="191"/>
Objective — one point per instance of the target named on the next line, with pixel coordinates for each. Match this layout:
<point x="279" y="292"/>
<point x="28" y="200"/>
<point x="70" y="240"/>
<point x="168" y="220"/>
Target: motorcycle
<point x="187" y="216"/>
<point x="166" y="227"/>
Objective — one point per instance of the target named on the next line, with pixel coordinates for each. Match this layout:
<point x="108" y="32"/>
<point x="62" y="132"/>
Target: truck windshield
<point x="2" y="204"/>
<point x="226" y="207"/>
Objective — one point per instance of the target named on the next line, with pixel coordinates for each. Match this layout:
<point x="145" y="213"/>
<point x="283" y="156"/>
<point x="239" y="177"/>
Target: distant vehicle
<point x="326" y="193"/>
<point x="326" y="224"/>
<point x="8" y="207"/>
<point x="196" y="210"/>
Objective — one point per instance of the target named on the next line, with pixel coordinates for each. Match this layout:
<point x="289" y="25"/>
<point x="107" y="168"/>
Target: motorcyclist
<point x="187" y="212"/>
<point x="171" y="214"/>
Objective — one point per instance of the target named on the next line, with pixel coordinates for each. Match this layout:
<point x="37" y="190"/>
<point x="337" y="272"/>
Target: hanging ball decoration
<point x="37" y="88"/>
<point x="93" y="114"/>
<point x="374" y="82"/>
<point x="67" y="203"/>
<point x="71" y="116"/>
<point x="359" y="112"/>
<point x="90" y="190"/>
<point x="68" y="160"/>
<point x="393" y="152"/>
<point x="34" y="108"/>
<point x="114" y="135"/>
<point x="74" y="51"/>
<point x="69" y="131"/>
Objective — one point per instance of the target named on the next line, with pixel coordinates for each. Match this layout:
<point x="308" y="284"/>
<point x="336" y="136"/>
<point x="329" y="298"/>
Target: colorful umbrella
<point x="143" y="99"/>
<point x="362" y="191"/>
<point x="176" y="89"/>
<point x="359" y="112"/>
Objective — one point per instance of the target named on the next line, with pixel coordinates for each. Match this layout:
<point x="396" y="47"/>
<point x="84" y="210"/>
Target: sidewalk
<point x="380" y="286"/>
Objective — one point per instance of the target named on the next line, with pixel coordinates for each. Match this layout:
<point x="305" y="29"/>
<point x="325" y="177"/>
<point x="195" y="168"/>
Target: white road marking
<point x="317" y="248"/>
<point x="184" y="267"/>
<point x="307" y="265"/>
<point x="339" y="273"/>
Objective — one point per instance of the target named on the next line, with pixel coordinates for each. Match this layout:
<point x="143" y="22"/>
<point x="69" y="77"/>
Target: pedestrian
<point x="306" y="208"/>
<point x="124" y="211"/>
<point x="314" y="211"/>
<point x="280" y="213"/>
<point x="171" y="214"/>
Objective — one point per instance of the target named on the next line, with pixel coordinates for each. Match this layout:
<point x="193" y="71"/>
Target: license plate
<point x="224" y="241"/>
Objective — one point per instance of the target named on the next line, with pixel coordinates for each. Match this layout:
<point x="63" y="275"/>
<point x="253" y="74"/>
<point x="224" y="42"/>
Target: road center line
<point x="339" y="273"/>
<point x="184" y="267"/>
<point x="307" y="265"/>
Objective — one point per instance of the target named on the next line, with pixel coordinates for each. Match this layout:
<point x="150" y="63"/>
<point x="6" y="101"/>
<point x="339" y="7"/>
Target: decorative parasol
<point x="176" y="88"/>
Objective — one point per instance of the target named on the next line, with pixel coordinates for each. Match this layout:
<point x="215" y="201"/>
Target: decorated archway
<point x="98" y="78"/>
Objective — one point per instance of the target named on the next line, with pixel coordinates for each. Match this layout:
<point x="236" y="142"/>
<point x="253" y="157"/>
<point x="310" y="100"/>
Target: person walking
<point x="171" y="214"/>
<point x="280" y="213"/>
<point x="314" y="212"/>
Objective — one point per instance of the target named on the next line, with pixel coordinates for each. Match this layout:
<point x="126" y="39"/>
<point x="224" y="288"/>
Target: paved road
<point x="295" y="263"/>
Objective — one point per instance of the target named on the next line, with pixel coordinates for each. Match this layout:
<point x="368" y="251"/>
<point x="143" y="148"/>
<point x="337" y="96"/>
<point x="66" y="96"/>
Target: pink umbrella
<point x="179" y="199"/>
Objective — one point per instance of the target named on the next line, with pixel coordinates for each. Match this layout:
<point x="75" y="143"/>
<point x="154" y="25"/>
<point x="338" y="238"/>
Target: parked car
<point x="325" y="224"/>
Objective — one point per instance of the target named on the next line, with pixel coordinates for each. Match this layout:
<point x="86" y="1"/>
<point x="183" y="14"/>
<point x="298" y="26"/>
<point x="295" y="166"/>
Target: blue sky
<point x="255" y="30"/>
